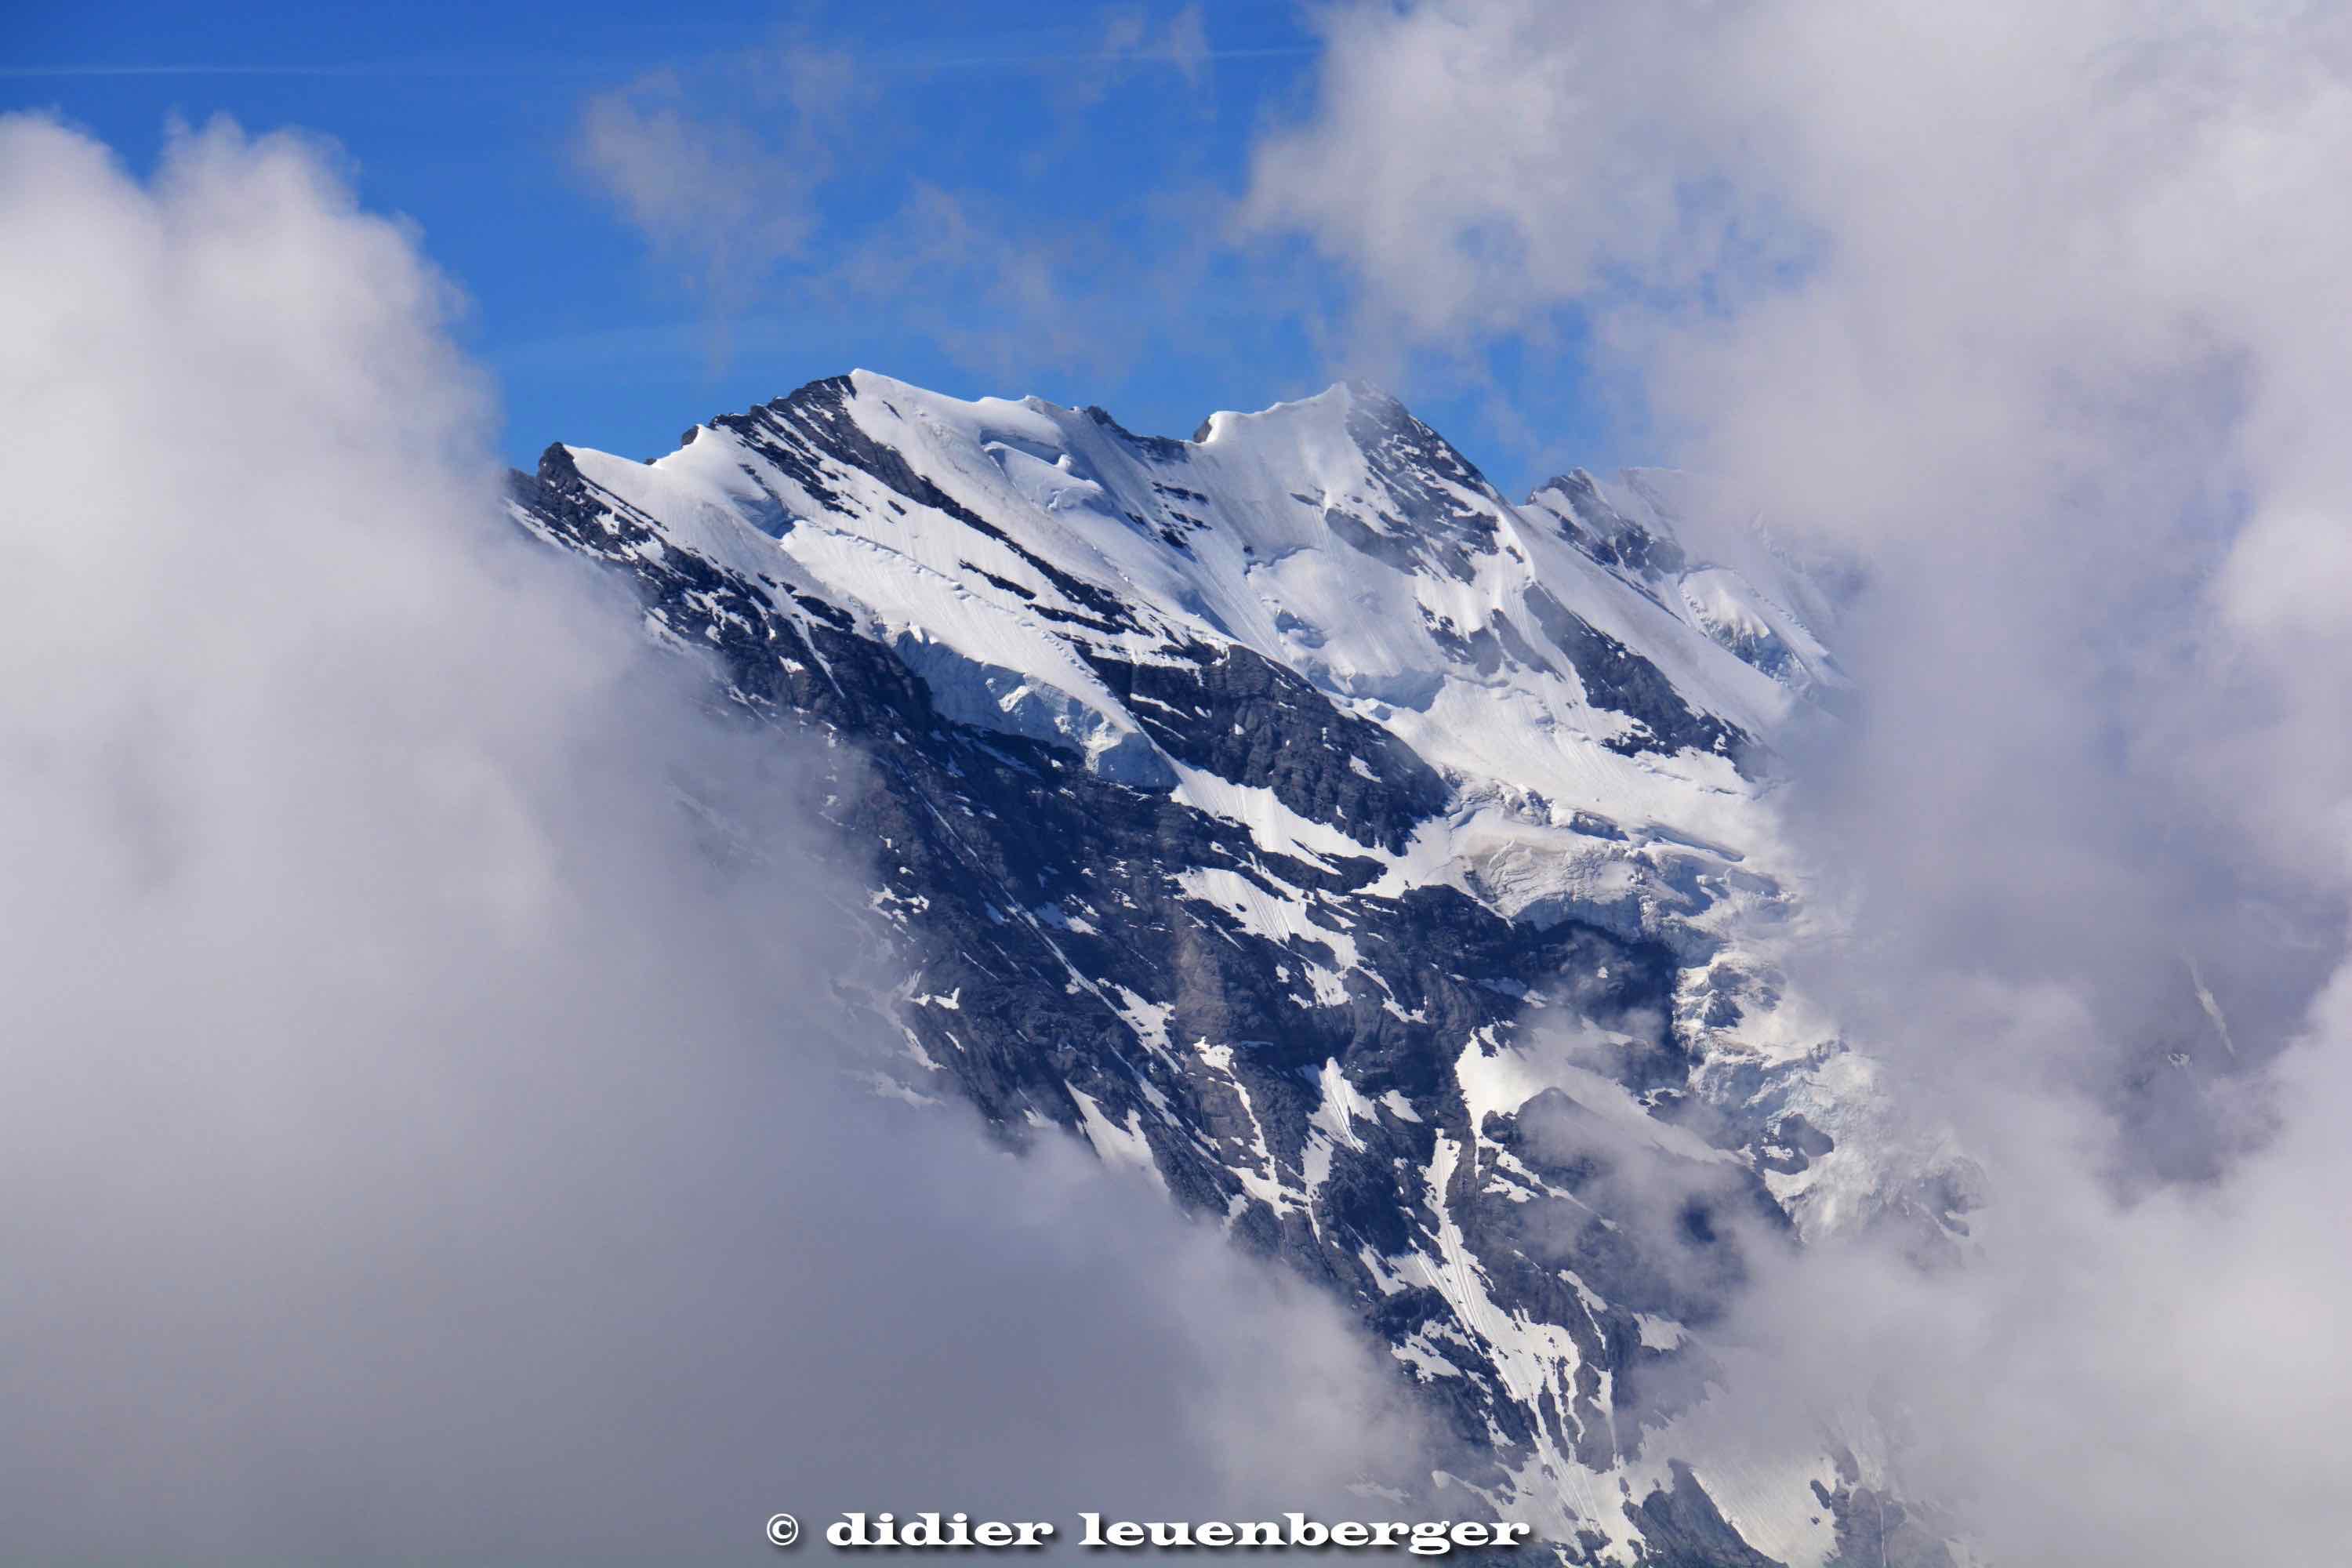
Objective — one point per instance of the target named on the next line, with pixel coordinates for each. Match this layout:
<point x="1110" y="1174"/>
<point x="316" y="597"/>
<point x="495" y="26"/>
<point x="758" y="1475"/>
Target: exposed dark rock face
<point x="1686" y="1532"/>
<point x="1618" y="679"/>
<point x="1251" y="721"/>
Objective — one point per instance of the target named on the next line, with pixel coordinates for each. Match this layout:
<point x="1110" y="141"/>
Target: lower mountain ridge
<point x="1385" y="868"/>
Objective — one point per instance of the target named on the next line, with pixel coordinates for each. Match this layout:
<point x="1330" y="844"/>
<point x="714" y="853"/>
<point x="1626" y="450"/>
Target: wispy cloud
<point x="1129" y="41"/>
<point x="731" y="194"/>
<point x="779" y="177"/>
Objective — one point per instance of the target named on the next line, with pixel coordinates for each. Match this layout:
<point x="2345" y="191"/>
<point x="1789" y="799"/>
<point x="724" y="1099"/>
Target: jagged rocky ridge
<point x="1381" y="866"/>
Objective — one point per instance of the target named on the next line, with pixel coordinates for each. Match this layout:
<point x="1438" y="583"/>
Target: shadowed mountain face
<point x="1376" y="863"/>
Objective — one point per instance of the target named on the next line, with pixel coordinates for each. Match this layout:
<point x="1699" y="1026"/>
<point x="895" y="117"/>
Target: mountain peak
<point x="1340" y="402"/>
<point x="1243" y="800"/>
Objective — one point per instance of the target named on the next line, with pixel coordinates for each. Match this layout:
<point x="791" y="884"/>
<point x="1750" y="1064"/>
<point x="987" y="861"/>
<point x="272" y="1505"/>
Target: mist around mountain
<point x="912" y="951"/>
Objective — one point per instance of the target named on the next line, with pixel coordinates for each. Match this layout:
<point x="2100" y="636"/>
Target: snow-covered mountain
<point x="1385" y="868"/>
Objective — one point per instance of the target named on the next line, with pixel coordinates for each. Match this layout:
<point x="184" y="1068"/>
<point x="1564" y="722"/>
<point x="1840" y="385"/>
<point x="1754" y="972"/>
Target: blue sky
<point x="978" y="199"/>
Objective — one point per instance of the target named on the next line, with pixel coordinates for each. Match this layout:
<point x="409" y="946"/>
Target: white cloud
<point x="2041" y="312"/>
<point x="415" y="1144"/>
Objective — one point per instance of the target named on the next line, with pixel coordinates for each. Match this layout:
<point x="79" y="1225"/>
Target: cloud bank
<point x="2039" y="312"/>
<point x="421" y="1139"/>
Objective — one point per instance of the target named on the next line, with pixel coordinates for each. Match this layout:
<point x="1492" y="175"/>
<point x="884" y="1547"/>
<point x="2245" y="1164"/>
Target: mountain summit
<point x="1381" y="866"/>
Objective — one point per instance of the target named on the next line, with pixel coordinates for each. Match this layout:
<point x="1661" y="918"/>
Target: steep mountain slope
<point x="1386" y="869"/>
